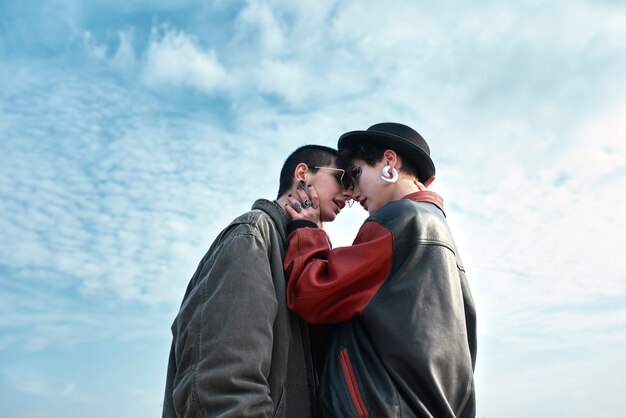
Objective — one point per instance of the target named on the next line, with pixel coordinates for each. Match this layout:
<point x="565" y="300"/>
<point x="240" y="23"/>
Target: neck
<point x="403" y="187"/>
<point x="283" y="201"/>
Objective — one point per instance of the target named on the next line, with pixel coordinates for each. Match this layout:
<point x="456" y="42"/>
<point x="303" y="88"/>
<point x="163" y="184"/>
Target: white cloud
<point x="94" y="49"/>
<point x="600" y="149"/>
<point x="313" y="70"/>
<point x="558" y="385"/>
<point x="175" y="59"/>
<point x="285" y="79"/>
<point x="258" y="22"/>
<point x="29" y="382"/>
<point x="541" y="237"/>
<point x="110" y="193"/>
<point x="124" y="57"/>
<point x="40" y="385"/>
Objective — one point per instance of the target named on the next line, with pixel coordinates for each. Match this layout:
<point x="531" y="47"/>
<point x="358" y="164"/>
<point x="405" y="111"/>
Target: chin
<point x="328" y="217"/>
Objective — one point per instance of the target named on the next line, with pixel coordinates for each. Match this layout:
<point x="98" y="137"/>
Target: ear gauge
<point x="301" y="184"/>
<point x="389" y="178"/>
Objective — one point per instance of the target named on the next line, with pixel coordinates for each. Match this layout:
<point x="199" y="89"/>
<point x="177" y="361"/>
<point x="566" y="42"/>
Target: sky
<point x="132" y="132"/>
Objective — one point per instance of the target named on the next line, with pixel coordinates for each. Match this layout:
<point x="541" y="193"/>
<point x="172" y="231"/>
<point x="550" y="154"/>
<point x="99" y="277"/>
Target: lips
<point x="340" y="205"/>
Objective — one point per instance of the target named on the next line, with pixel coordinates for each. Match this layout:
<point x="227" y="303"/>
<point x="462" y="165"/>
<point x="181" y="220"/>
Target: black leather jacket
<point x="404" y="343"/>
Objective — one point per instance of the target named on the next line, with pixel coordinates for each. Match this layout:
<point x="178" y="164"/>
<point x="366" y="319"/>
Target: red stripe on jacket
<point x="332" y="285"/>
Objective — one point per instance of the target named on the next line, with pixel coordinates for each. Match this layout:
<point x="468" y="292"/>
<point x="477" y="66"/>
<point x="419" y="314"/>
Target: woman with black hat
<point x="403" y="341"/>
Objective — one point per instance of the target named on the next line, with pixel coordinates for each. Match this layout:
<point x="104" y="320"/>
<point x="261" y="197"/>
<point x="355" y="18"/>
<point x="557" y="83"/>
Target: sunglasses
<point x="345" y="181"/>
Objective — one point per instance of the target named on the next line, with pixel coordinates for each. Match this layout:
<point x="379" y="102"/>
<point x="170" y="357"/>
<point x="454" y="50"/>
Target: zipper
<point x="351" y="382"/>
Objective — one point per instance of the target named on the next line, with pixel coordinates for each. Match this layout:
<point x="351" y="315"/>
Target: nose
<point x="346" y="194"/>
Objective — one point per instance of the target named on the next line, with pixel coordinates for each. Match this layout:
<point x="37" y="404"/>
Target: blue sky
<point x="132" y="131"/>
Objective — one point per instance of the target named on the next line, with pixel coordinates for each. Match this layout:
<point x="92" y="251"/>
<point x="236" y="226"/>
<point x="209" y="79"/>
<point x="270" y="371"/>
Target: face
<point x="332" y="195"/>
<point x="369" y="188"/>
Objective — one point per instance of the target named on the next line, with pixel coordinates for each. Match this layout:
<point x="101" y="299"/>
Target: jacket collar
<point x="276" y="213"/>
<point x="427" y="196"/>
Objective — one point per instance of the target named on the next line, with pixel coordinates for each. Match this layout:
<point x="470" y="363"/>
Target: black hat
<point x="400" y="138"/>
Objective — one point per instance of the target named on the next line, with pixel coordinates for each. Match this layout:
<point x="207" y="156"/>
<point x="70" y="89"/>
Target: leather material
<point x="412" y="348"/>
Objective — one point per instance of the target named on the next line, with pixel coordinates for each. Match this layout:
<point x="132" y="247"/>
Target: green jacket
<point x="237" y="351"/>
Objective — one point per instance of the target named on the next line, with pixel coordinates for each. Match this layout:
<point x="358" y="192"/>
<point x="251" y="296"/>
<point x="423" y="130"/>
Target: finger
<point x="295" y="201"/>
<point x="428" y="181"/>
<point x="299" y="211"/>
<point x="294" y="208"/>
<point x="315" y="199"/>
<point x="291" y="212"/>
<point x="419" y="185"/>
<point x="302" y="194"/>
<point x="308" y="202"/>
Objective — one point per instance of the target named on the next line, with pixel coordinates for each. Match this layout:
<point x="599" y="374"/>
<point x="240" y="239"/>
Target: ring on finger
<point x="297" y="207"/>
<point x="307" y="203"/>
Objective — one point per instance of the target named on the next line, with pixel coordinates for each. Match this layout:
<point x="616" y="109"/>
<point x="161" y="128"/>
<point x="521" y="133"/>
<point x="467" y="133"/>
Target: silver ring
<point x="298" y="207"/>
<point x="307" y="203"/>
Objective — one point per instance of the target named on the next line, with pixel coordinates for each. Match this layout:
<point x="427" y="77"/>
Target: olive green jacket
<point x="237" y="351"/>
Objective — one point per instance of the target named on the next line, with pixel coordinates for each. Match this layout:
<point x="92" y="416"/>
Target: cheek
<point x="322" y="197"/>
<point x="364" y="188"/>
<point x="328" y="189"/>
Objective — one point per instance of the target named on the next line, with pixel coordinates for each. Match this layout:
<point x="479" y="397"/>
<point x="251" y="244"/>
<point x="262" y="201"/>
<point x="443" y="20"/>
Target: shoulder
<point x="256" y="222"/>
<point x="415" y="222"/>
<point x="251" y="223"/>
<point x="397" y="213"/>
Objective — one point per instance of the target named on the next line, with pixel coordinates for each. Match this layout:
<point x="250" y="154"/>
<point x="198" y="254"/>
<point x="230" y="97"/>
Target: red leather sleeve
<point x="332" y="285"/>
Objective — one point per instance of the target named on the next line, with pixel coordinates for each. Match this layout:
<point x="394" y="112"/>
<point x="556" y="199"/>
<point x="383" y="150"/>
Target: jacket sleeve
<point x="224" y="334"/>
<point x="332" y="285"/>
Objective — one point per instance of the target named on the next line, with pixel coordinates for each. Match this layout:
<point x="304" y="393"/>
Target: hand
<point x="422" y="186"/>
<point x="419" y="185"/>
<point x="306" y="206"/>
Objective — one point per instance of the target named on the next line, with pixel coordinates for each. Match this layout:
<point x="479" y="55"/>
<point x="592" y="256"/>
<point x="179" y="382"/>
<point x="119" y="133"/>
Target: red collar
<point x="426" y="196"/>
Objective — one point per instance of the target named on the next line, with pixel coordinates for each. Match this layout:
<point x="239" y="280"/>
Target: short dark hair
<point x="311" y="155"/>
<point x="371" y="154"/>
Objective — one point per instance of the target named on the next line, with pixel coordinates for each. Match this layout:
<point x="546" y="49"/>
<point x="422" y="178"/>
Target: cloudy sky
<point x="132" y="131"/>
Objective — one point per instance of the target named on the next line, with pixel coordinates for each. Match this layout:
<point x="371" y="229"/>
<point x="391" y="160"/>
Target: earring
<point x="389" y="178"/>
<point x="302" y="184"/>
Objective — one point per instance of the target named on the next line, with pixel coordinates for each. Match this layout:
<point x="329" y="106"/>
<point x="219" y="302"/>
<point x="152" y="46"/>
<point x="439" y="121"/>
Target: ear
<point x="300" y="172"/>
<point x="428" y="181"/>
<point x="390" y="158"/>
